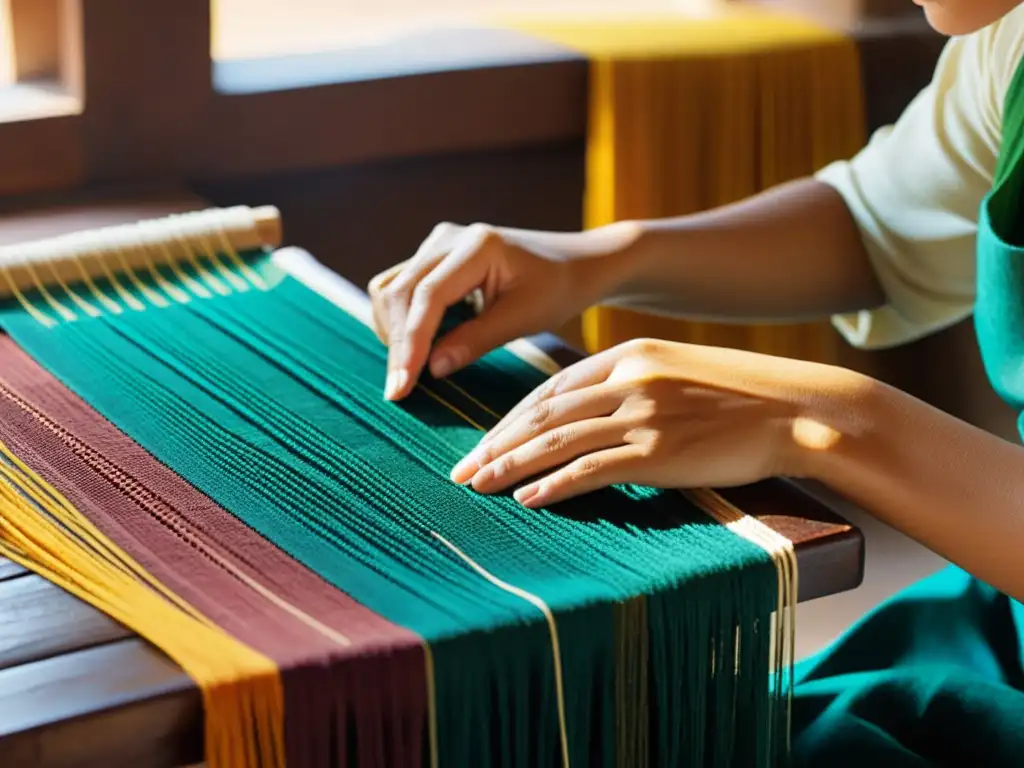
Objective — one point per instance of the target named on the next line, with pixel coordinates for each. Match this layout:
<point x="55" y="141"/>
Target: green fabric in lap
<point x="270" y="403"/>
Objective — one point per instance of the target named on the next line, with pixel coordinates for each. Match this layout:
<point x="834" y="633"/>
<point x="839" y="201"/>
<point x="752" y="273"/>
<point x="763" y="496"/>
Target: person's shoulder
<point x="1002" y="48"/>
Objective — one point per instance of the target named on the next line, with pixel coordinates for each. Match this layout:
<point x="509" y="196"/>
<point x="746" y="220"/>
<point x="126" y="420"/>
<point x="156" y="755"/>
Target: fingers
<point x="510" y="316"/>
<point x="586" y="373"/>
<point x="396" y="304"/>
<point x="376" y="292"/>
<point x="553" y="423"/>
<point x="588" y="473"/>
<point x="561" y="445"/>
<point x="413" y="302"/>
<point x="449" y="282"/>
<point x="500" y="323"/>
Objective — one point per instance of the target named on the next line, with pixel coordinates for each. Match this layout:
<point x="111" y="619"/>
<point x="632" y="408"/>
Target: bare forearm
<point x="791" y="253"/>
<point x="951" y="486"/>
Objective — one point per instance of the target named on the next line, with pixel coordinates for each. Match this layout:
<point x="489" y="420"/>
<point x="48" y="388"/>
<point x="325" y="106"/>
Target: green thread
<point x="270" y="403"/>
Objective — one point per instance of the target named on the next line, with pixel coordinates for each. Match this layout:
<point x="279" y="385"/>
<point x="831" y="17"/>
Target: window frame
<point x="124" y="108"/>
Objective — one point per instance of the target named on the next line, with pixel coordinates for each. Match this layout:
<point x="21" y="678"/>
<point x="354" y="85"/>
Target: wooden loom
<point x="75" y="686"/>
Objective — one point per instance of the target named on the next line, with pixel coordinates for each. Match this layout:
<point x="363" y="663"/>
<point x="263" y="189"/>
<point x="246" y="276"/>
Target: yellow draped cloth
<point x="688" y="112"/>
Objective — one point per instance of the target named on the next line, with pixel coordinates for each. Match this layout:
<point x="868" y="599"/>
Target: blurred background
<point x="368" y="121"/>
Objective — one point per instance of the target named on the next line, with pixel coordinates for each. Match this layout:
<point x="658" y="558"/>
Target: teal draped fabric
<point x="934" y="677"/>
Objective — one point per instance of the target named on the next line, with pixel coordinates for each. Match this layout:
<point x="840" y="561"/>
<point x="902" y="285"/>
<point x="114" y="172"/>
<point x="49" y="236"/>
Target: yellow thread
<point x="428" y="662"/>
<point x="62" y="513"/>
<point x="205" y="274"/>
<point x="239" y="262"/>
<point x="47" y="496"/>
<point x="211" y="254"/>
<point x="176" y="293"/>
<point x="187" y="280"/>
<point x="56" y="306"/>
<point x="153" y="297"/>
<point x="242" y="691"/>
<point x="477" y="403"/>
<point x="81" y="303"/>
<point x="552" y="627"/>
<point x="784" y="557"/>
<point x="451" y="407"/>
<point x="121" y="291"/>
<point x="27" y="305"/>
<point x="106" y="301"/>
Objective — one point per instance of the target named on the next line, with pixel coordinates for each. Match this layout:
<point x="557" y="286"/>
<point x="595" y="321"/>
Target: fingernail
<point x="528" y="495"/>
<point x="396" y="382"/>
<point x="483" y="477"/>
<point x="446" y="362"/>
<point x="463" y="472"/>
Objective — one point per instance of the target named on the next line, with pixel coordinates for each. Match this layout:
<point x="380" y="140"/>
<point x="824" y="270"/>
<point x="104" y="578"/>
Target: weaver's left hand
<point x="666" y="415"/>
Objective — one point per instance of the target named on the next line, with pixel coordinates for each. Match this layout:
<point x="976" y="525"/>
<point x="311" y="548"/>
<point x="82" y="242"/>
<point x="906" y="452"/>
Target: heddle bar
<point x="170" y="240"/>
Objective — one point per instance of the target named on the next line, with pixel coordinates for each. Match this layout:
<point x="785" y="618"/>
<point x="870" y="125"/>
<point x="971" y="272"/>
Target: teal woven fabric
<point x="270" y="402"/>
<point x="935" y="676"/>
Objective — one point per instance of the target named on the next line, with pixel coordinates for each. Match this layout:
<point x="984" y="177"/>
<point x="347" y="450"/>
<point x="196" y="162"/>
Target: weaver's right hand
<point x="530" y="282"/>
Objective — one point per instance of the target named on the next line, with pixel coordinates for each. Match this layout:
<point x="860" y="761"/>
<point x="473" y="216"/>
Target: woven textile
<point x="412" y="620"/>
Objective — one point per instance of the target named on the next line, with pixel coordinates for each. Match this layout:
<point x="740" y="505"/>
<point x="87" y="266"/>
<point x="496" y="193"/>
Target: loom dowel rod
<point x="135" y="247"/>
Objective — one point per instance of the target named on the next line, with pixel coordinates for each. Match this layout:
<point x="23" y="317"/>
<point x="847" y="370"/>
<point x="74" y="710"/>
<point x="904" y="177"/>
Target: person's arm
<point x="884" y="242"/>
<point x="791" y="253"/>
<point x="947" y="484"/>
<point x="951" y="486"/>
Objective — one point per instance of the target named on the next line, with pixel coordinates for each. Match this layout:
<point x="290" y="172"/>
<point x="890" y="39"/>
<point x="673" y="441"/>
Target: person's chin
<point x="940" y="21"/>
<point x="950" y="24"/>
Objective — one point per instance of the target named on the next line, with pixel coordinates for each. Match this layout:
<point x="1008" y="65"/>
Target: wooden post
<point x="34" y="30"/>
<point x="146" y="74"/>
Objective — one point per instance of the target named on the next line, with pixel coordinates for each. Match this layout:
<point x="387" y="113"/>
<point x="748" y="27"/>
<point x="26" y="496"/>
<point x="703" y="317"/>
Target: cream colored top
<point x="917" y="187"/>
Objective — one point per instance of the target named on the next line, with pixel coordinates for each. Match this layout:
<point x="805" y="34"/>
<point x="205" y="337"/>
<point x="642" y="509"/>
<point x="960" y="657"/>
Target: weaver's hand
<point x="665" y="415"/>
<point x="530" y="282"/>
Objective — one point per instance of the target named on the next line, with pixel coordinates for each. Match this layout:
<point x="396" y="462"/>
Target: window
<point x="113" y="91"/>
<point x="32" y="66"/>
<point x="245" y="29"/>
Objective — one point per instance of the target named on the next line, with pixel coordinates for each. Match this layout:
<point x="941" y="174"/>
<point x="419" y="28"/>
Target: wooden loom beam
<point x="21" y="271"/>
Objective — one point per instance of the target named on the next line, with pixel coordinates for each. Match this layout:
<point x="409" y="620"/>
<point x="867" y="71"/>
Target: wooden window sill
<point x="425" y="52"/>
<point x="36" y="100"/>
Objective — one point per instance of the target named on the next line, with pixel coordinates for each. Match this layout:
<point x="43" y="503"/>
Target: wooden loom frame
<point x="152" y="711"/>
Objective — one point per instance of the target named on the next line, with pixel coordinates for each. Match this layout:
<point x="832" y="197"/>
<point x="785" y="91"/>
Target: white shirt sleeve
<point x="916" y="189"/>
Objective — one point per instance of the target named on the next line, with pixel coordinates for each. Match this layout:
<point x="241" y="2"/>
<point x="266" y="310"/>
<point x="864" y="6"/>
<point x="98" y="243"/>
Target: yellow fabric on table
<point x="688" y="112"/>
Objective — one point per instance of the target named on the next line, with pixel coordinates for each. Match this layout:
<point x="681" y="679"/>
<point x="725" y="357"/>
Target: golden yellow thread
<point x="184" y="278"/>
<point x="111" y="305"/>
<point x="81" y="303"/>
<point x="56" y="306"/>
<point x="27" y="305"/>
<point x="428" y="663"/>
<point x="229" y="250"/>
<point x="237" y="282"/>
<point x="552" y="628"/>
<point x="242" y="691"/>
<point x="176" y="293"/>
<point x="451" y="407"/>
<point x="62" y="513"/>
<point x="153" y="297"/>
<point x="482" y="406"/>
<point x="784" y="557"/>
<point x="193" y="259"/>
<point x="121" y="291"/>
<point x="47" y="497"/>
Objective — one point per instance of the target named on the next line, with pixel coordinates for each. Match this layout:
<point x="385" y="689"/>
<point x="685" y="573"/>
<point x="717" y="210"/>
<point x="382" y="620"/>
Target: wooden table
<point x="78" y="689"/>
